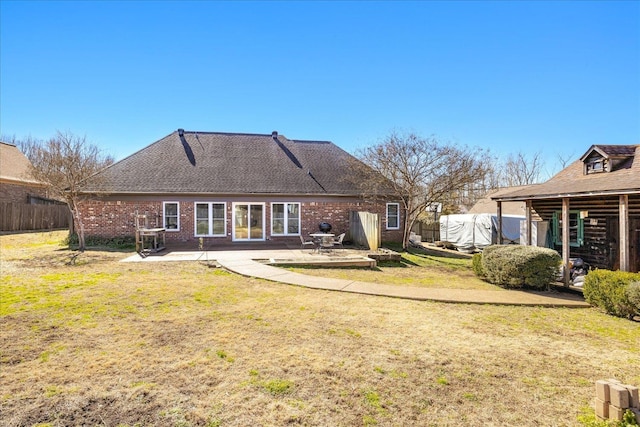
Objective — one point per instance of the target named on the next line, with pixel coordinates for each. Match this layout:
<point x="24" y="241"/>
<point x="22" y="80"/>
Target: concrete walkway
<point x="247" y="264"/>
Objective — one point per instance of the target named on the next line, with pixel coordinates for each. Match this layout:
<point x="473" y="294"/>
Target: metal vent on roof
<point x="274" y="134"/>
<point x="181" y="132"/>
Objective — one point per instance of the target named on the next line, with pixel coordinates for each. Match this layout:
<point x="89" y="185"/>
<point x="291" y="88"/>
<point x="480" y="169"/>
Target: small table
<point x="153" y="233"/>
<point x="323" y="240"/>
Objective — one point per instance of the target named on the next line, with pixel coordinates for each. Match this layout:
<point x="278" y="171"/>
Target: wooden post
<point x="623" y="215"/>
<point x="566" y="243"/>
<point x="499" y="212"/>
<point x="528" y="220"/>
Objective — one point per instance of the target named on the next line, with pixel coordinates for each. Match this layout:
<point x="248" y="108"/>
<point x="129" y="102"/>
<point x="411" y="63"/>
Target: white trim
<point x="209" y="218"/>
<point x="164" y="219"/>
<point x="233" y="221"/>
<point x="397" y="216"/>
<point x="286" y="218"/>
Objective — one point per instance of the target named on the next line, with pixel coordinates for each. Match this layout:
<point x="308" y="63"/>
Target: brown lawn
<point x="100" y="342"/>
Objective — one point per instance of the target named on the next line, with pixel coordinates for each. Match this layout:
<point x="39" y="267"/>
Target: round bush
<point x="616" y="292"/>
<point x="476" y="264"/>
<point x="633" y="294"/>
<point x="515" y="266"/>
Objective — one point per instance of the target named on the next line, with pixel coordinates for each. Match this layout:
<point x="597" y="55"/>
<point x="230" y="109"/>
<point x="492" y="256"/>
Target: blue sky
<point x="553" y="77"/>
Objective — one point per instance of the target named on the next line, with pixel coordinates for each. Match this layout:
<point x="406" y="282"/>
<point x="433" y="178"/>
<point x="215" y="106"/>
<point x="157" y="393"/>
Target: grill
<point x="325" y="227"/>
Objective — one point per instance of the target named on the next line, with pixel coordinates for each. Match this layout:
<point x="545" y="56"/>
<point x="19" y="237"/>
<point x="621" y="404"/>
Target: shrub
<point x="515" y="266"/>
<point x="616" y="292"/>
<point x="633" y="294"/>
<point x="123" y="242"/>
<point x="476" y="264"/>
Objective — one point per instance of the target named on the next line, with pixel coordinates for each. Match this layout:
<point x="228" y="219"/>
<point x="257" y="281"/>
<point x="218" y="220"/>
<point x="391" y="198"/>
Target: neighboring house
<point x="24" y="201"/>
<point x="232" y="187"/>
<point x="598" y="197"/>
<point x="488" y="205"/>
<point x="16" y="183"/>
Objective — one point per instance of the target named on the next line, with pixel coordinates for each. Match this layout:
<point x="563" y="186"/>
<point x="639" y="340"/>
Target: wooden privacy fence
<point x="430" y="231"/>
<point x="24" y="217"/>
<point x="364" y="229"/>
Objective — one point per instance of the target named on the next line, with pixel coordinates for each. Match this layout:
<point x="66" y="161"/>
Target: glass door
<point x="248" y="221"/>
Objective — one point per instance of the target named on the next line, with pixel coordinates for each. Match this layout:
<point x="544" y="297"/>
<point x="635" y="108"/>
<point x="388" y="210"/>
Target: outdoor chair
<point x="338" y="241"/>
<point x="306" y="243"/>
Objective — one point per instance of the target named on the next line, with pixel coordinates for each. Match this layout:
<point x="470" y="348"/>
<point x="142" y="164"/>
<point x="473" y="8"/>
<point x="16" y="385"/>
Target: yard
<point x="98" y="342"/>
<point x="429" y="269"/>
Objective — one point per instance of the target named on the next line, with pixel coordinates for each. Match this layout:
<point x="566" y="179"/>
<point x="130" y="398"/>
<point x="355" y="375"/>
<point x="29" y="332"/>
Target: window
<point x="596" y="165"/>
<point x="393" y="216"/>
<point x="576" y="228"/>
<point x="211" y="219"/>
<point x="171" y="216"/>
<point x="285" y="219"/>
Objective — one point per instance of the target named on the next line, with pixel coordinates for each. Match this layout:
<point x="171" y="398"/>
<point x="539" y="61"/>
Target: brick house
<point x="16" y="183"/>
<point x="598" y="197"/>
<point x="232" y="187"/>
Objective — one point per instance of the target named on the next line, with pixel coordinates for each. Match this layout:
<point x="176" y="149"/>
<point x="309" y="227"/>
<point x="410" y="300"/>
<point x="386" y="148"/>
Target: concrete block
<point x="602" y="409"/>
<point x="615" y="413"/>
<point x="602" y="390"/>
<point x="619" y="396"/>
<point x="634" y="396"/>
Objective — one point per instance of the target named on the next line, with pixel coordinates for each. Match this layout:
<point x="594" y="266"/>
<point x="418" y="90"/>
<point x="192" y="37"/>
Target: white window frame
<point x="209" y="219"/>
<point x="286" y="218"/>
<point x="397" y="216"/>
<point x="164" y="216"/>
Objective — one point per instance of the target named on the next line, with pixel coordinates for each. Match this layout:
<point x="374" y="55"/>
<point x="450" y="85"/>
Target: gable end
<point x="607" y="158"/>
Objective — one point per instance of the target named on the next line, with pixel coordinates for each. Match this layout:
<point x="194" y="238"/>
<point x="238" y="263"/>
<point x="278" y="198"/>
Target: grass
<point x="418" y="268"/>
<point x="180" y="344"/>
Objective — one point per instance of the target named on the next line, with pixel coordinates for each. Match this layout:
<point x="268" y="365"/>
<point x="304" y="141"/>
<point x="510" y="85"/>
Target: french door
<point x="248" y="222"/>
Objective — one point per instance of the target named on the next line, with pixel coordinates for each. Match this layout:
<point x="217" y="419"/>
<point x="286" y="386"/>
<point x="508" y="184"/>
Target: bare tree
<point x="66" y="162"/>
<point x="519" y="169"/>
<point x="419" y="171"/>
<point x="565" y="159"/>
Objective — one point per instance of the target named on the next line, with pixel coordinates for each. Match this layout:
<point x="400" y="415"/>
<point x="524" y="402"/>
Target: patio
<point x="256" y="263"/>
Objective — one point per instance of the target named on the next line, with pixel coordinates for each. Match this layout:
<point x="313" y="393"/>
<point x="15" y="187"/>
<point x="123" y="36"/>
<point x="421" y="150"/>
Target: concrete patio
<point x="255" y="263"/>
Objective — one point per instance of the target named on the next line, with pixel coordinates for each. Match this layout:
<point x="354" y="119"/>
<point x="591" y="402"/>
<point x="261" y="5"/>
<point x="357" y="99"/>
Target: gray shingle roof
<point x="572" y="181"/>
<point x="231" y="163"/>
<point x="615" y="150"/>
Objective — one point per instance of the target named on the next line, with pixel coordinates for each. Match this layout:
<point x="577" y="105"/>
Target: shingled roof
<point x="573" y="182"/>
<point x="14" y="165"/>
<point x="190" y="162"/>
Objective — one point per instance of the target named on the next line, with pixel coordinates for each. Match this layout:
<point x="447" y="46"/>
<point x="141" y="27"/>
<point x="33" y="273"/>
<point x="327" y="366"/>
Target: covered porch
<point x="602" y="228"/>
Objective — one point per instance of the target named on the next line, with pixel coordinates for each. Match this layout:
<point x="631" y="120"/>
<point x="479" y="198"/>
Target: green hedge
<point x="476" y="264"/>
<point x="616" y="292"/>
<point x="516" y="266"/>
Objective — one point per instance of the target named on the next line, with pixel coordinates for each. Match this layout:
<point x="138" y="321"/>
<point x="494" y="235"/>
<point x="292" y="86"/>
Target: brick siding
<point x="19" y="193"/>
<point x="116" y="218"/>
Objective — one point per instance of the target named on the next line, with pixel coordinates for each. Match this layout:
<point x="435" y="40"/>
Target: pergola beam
<point x="624" y="232"/>
<point x="566" y="243"/>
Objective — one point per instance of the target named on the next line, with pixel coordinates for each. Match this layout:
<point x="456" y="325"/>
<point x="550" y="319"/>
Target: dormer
<point x="607" y="158"/>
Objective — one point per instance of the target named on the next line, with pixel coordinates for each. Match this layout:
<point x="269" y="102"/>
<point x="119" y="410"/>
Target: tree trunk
<point x="79" y="226"/>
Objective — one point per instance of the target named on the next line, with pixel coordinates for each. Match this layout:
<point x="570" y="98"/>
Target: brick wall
<point x="19" y="193"/>
<point x="116" y="218"/>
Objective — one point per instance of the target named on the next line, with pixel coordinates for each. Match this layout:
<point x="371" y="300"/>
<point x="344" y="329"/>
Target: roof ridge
<point x="310" y="141"/>
<point x="223" y="133"/>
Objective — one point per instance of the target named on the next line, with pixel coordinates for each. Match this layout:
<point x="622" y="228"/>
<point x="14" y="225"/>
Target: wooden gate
<point x="364" y="229"/>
